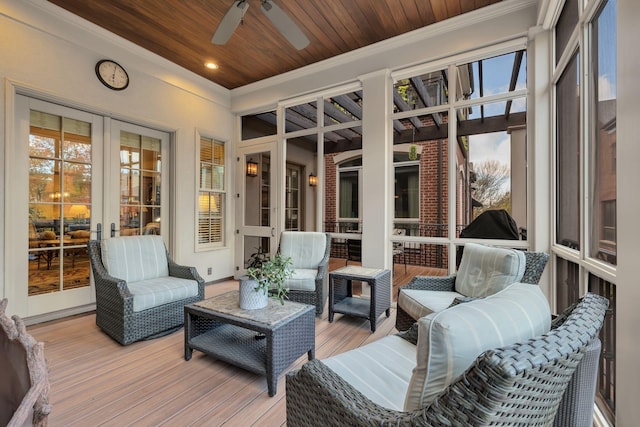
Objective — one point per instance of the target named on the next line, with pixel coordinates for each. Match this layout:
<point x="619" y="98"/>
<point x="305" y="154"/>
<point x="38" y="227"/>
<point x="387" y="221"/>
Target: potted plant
<point x="264" y="276"/>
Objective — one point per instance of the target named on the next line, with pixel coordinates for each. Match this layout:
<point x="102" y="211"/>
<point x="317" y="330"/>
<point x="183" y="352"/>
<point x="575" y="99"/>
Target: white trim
<point x="501" y="48"/>
<point x="416" y="36"/>
<point x="63" y="25"/>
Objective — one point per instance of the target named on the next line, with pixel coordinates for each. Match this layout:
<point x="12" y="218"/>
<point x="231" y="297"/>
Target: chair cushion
<point x="418" y="303"/>
<point x="302" y="280"/>
<point x="161" y="290"/>
<point x="135" y="258"/>
<point x="485" y="270"/>
<point x="306" y="248"/>
<point x="380" y="370"/>
<point x="449" y="341"/>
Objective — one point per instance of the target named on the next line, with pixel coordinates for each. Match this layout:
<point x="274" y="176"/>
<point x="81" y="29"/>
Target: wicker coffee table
<point x="264" y="341"/>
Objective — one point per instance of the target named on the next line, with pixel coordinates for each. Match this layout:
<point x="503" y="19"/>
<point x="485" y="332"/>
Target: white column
<point x="377" y="203"/>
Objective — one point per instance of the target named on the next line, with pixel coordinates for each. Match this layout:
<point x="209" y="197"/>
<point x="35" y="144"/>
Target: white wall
<point x="50" y="54"/>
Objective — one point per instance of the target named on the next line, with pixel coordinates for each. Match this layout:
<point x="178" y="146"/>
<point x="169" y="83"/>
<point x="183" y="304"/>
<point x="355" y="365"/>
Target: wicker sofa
<point x="521" y="383"/>
<point x="426" y="294"/>
<point x="140" y="291"/>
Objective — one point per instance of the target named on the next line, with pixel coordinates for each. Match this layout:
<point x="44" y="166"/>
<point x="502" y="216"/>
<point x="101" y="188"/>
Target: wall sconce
<point x="252" y="168"/>
<point x="313" y="180"/>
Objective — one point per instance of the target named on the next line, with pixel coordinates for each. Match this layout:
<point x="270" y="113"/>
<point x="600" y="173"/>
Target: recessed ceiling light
<point x="211" y="65"/>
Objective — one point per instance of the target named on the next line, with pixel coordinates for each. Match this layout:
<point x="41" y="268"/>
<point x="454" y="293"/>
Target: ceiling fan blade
<point x="284" y="24"/>
<point x="230" y="22"/>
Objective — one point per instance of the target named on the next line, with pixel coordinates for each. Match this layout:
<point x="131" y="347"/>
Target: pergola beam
<point x="430" y="133"/>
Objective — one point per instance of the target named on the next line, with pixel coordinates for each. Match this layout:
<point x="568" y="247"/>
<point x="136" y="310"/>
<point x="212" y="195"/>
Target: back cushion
<point x="135" y="258"/>
<point x="306" y="248"/>
<point x="485" y="270"/>
<point x="449" y="341"/>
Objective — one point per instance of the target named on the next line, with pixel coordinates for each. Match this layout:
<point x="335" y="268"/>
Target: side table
<point x="341" y="299"/>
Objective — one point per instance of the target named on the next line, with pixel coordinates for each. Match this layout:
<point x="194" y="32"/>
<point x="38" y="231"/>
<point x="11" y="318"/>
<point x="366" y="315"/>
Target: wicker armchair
<point x="535" y="264"/>
<point x="309" y="252"/>
<point x="521" y="384"/>
<point x="115" y="312"/>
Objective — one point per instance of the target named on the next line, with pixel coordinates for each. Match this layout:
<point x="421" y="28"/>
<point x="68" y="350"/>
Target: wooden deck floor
<point x="97" y="382"/>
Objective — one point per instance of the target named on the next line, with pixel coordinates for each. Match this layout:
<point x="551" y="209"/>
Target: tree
<point x="490" y="187"/>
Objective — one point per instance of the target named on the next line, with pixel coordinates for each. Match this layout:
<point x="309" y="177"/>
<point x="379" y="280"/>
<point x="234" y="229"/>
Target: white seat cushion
<point x="135" y="258"/>
<point x="302" y="280"/>
<point x="306" y="248"/>
<point x="449" y="341"/>
<point x="161" y="290"/>
<point x="417" y="303"/>
<point x="380" y="370"/>
<point x="485" y="270"/>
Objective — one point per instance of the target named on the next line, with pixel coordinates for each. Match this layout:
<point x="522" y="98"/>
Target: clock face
<point x="112" y="75"/>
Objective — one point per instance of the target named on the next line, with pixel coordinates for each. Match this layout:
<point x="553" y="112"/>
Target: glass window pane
<point x="348" y="194"/>
<point x="407" y="191"/>
<point x="429" y="147"/>
<point x="258" y="125"/>
<point x="568" y="156"/>
<point x="566" y="24"/>
<point x="492" y="76"/>
<point x="426" y="90"/>
<point x="303" y="116"/>
<point x="603" y="144"/>
<point x="343" y="108"/>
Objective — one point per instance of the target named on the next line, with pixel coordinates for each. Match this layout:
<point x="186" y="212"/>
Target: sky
<point x="496" y="76"/>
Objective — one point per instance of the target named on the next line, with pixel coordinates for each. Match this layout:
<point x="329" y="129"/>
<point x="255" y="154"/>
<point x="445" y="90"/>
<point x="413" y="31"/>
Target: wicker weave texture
<point x="233" y="340"/>
<point x="340" y="291"/>
<point x="114" y="303"/>
<point x="521" y="384"/>
<point x="535" y="264"/>
<point x="318" y="297"/>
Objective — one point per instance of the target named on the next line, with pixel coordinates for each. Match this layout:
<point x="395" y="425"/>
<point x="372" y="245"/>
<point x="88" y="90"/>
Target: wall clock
<point x="112" y="75"/>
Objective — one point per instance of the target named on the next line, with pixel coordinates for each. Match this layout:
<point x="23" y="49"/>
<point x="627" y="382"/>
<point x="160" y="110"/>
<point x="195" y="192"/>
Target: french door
<point x="71" y="171"/>
<point x="257" y="228"/>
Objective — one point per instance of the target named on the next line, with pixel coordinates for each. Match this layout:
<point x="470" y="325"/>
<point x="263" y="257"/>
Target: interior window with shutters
<point x="211" y="194"/>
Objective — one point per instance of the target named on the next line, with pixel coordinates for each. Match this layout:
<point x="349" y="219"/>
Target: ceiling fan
<point x="277" y="16"/>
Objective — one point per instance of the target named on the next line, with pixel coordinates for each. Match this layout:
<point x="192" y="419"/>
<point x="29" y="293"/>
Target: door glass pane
<point x="253" y="245"/>
<point x="258" y="189"/>
<point x="59" y="202"/>
<point x="292" y="199"/>
<point x="603" y="145"/>
<point x="140" y="184"/>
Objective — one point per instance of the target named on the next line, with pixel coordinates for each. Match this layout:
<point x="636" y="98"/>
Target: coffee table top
<point x="357" y="271"/>
<point x="272" y="314"/>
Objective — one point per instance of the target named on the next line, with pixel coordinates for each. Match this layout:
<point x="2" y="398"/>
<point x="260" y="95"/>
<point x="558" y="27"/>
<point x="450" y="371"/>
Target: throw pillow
<point x="485" y="270"/>
<point x="449" y="341"/>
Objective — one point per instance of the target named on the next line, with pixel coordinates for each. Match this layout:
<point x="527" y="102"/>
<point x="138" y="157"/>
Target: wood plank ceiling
<point x="181" y="31"/>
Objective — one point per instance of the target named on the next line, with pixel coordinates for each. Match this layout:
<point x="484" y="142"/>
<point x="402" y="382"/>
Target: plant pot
<point x="250" y="299"/>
